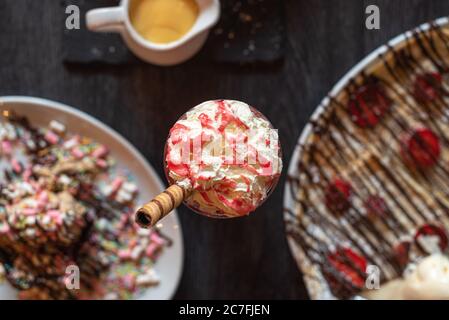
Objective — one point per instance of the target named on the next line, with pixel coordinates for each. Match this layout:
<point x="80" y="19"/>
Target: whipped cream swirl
<point x="227" y="154"/>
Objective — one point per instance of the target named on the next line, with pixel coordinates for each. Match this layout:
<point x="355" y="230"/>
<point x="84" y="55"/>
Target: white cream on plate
<point x="427" y="280"/>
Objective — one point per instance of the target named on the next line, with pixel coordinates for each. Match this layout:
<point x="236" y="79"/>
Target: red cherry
<point x="430" y="230"/>
<point x="350" y="265"/>
<point x="427" y="87"/>
<point x="368" y="105"/>
<point x="401" y="253"/>
<point x="337" y="196"/>
<point x="376" y="206"/>
<point x="421" y="148"/>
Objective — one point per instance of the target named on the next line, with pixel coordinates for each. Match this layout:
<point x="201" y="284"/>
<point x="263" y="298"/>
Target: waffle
<point x="65" y="207"/>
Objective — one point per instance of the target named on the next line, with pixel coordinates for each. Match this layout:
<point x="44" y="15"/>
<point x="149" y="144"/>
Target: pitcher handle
<point x="106" y="19"/>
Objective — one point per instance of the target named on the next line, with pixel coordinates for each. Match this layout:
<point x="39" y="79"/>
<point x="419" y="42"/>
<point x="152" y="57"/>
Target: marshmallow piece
<point x="2" y="132"/>
<point x="4" y="228"/>
<point x="6" y="147"/>
<point x="51" y="137"/>
<point x="129" y="281"/>
<point x="100" y="152"/>
<point x="124" y="254"/>
<point x="103" y="164"/>
<point x="116" y="184"/>
<point x="129" y="187"/>
<point x="106" y="190"/>
<point x="65" y="180"/>
<point x="12" y="219"/>
<point x="30" y="232"/>
<point x="78" y="153"/>
<point x="30" y="212"/>
<point x="157" y="239"/>
<point x="30" y="144"/>
<point x="149" y="278"/>
<point x="26" y="187"/>
<point x="31" y="203"/>
<point x="57" y="127"/>
<point x="136" y="252"/>
<point x="16" y="166"/>
<point x="46" y="220"/>
<point x="151" y="249"/>
<point x="10" y="132"/>
<point x="102" y="224"/>
<point x="69" y="144"/>
<point x="30" y="220"/>
<point x="123" y="196"/>
<point x="143" y="232"/>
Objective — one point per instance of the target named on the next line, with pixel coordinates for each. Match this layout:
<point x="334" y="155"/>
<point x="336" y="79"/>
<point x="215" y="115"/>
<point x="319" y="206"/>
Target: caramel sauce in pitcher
<point x="163" y="21"/>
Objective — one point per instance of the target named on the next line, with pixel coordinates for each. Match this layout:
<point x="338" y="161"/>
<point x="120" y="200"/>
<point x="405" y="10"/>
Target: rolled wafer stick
<point x="155" y="210"/>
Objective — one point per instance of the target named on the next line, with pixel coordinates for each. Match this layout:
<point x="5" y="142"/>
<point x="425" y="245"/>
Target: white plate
<point x="41" y="111"/>
<point x="317" y="287"/>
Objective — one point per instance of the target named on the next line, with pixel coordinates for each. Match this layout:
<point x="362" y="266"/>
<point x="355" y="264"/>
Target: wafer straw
<point x="158" y="208"/>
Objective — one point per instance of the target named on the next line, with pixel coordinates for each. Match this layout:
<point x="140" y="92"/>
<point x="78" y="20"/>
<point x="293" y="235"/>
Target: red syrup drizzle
<point x="371" y="110"/>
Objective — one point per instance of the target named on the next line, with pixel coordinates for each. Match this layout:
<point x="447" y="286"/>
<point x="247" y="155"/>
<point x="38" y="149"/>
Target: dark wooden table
<point x="244" y="258"/>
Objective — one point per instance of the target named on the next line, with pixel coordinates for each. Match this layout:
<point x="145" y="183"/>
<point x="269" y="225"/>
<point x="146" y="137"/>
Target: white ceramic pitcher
<point x="116" y="19"/>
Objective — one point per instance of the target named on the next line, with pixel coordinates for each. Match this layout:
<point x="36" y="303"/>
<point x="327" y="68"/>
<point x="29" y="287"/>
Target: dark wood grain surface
<point x="244" y="258"/>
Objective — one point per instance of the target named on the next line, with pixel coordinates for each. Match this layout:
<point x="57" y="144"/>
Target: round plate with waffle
<point x="367" y="192"/>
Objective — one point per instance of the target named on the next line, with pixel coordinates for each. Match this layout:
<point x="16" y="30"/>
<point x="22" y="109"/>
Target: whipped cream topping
<point x="427" y="280"/>
<point x="227" y="154"/>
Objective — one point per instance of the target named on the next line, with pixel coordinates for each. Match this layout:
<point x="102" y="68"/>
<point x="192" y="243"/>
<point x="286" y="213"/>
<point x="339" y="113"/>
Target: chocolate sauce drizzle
<point x="369" y="157"/>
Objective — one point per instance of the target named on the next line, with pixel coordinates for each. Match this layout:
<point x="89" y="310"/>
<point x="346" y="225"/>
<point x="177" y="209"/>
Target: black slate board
<point x="84" y="46"/>
<point x="249" y="31"/>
